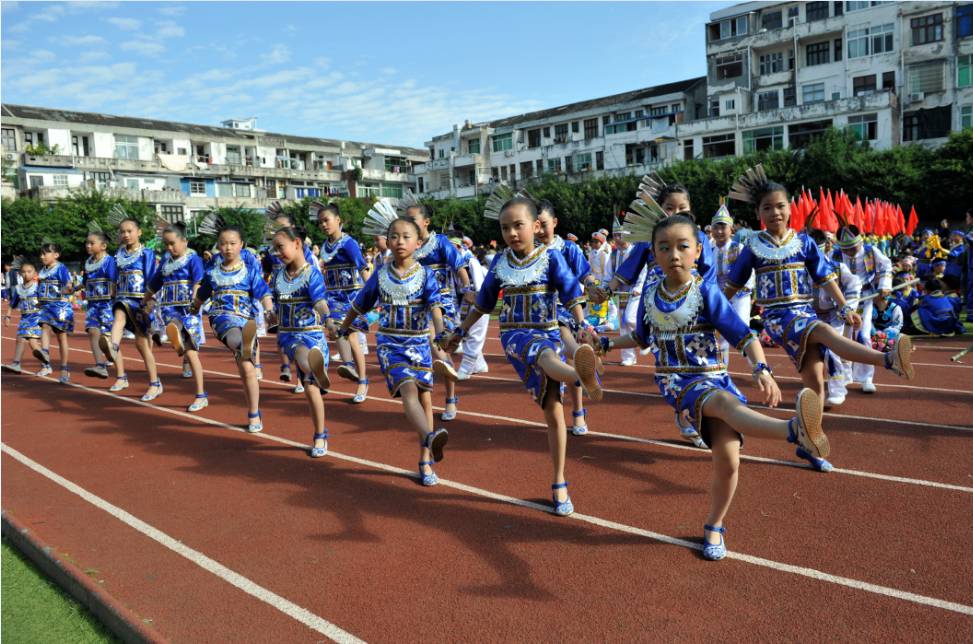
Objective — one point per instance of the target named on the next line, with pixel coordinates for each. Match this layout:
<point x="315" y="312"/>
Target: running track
<point x="210" y="534"/>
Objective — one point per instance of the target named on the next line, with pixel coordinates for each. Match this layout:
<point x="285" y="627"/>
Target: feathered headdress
<point x="502" y="193"/>
<point x="274" y="210"/>
<point x="95" y="227"/>
<point x="652" y="185"/>
<point x="751" y="183"/>
<point x="642" y="216"/>
<point x="210" y="224"/>
<point x="117" y="215"/>
<point x="379" y="217"/>
<point x="314" y="210"/>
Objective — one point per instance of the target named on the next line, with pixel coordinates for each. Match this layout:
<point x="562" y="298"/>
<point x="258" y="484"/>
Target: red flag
<point x="859" y="214"/>
<point x="900" y="220"/>
<point x="910" y="228"/>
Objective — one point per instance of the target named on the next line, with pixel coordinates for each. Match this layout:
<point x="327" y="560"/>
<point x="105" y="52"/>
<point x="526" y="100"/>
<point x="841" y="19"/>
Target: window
<point x="729" y="66"/>
<point x="865" y="41"/>
<point x="966" y="117"/>
<point x="554" y="165"/>
<point x="964" y="70"/>
<point x="197" y="187"/>
<point x="561" y="133"/>
<point x="233" y="154"/>
<point x="634" y="154"/>
<point x="837" y="49"/>
<point x="575" y="128"/>
<point x="790" y="96"/>
<point x="132" y="184"/>
<point x="812" y="93"/>
<point x="771" y="20"/>
<point x="818" y="53"/>
<point x="863" y="84"/>
<point x="888" y="80"/>
<point x="473" y="146"/>
<point x="726" y="29"/>
<point x="442" y="153"/>
<point x="741" y="25"/>
<point x="926" y="77"/>
<point x="503" y="142"/>
<point x="721" y="145"/>
<point x="687" y="149"/>
<point x="547" y="132"/>
<point x="241" y="189"/>
<point x="730" y="104"/>
<point x="30" y="138"/>
<point x="660" y="110"/>
<point x="771" y="63"/>
<point x="599" y="160"/>
<point x="839" y="8"/>
<point x="526" y="169"/>
<point x="395" y="164"/>
<point x="533" y="138"/>
<point x="927" y="29"/>
<point x="126" y="147"/>
<point x="714" y="107"/>
<point x="224" y="189"/>
<point x="503" y="173"/>
<point x="770" y="138"/>
<point x="61" y="181"/>
<point x="803" y="133"/>
<point x="964" y="21"/>
<point x="790" y="59"/>
<point x="856" y="6"/>
<point x="582" y="161"/>
<point x="817" y="11"/>
<point x="926" y="124"/>
<point x="768" y="101"/>
<point x="568" y="165"/>
<point x="540" y="167"/>
<point x="172" y="213"/>
<point x="590" y="128"/>
<point x="101" y="179"/>
<point x="9" y="138"/>
<point x="865" y="126"/>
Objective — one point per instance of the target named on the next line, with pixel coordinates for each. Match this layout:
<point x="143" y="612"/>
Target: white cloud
<point x="92" y="56"/>
<point x="172" y="10"/>
<point x="79" y="41"/>
<point x="278" y="55"/>
<point x="169" y="29"/>
<point x="143" y="46"/>
<point x="128" y="24"/>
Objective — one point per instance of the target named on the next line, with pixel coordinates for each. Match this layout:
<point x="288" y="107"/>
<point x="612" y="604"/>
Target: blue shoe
<point x="360" y="398"/>
<point x="714" y="552"/>
<point x="580" y="430"/>
<point x="804" y="429"/>
<point x="285" y="373"/>
<point x="201" y="402"/>
<point x="562" y="508"/>
<point x="65" y="377"/>
<point x="255" y="423"/>
<point x="435" y="442"/>
<point x="450" y="415"/>
<point x="120" y="383"/>
<point x="427" y="479"/>
<point x="819" y="464"/>
<point x="147" y="397"/>
<point x="318" y="452"/>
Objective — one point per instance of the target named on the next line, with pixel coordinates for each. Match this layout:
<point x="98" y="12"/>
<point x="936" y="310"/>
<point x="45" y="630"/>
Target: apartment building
<point x="183" y="168"/>
<point x="626" y="133"/>
<point x="780" y="73"/>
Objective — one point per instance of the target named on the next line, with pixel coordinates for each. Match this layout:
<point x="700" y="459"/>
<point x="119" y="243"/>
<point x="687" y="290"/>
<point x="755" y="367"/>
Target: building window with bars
<point x="590" y="128"/>
<point x="9" y="139"/>
<point x="816" y="11"/>
<point x="790" y="96"/>
<point x="812" y="93"/>
<point x="197" y="187"/>
<point x="771" y="20"/>
<point x="720" y="145"/>
<point x="964" y="71"/>
<point x="865" y="126"/>
<point x="473" y="147"/>
<point x="768" y="101"/>
<point x="837" y="49"/>
<point x="729" y="66"/>
<point x="172" y="214"/>
<point x="927" y="29"/>
<point x="863" y="85"/>
<point x="770" y="138"/>
<point x="966" y="117"/>
<point x="927" y="77"/>
<point x="126" y="147"/>
<point x="818" y="53"/>
<point x="771" y="63"/>
<point x="599" y="160"/>
<point x="561" y="133"/>
<point x="534" y="138"/>
<point x="502" y="142"/>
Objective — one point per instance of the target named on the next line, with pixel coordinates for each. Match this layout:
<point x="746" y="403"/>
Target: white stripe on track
<point x="809" y="573"/>
<point x="251" y="588"/>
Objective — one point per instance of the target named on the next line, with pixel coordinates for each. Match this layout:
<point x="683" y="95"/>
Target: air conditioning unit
<point x="508" y="153"/>
<point x="10" y="156"/>
<point x="916" y="97"/>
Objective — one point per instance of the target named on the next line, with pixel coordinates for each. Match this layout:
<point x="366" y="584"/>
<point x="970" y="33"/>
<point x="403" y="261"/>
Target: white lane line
<point x="255" y="590"/>
<point x="530" y="423"/>
<point x="810" y="573"/>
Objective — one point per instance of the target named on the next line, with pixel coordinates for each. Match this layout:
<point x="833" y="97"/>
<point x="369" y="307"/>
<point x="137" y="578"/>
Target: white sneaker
<point x="868" y="387"/>
<point x="299" y="388"/>
<point x="628" y="363"/>
<point x="463" y="375"/>
<point x="834" y="401"/>
<point x="187" y="370"/>
<point x="45" y="371"/>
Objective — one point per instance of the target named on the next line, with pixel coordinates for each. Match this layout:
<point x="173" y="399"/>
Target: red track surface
<point x="357" y="543"/>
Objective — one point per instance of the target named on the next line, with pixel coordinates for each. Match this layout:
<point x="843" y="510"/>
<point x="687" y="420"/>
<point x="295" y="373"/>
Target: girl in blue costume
<point x="136" y="265"/>
<point x="54" y="288"/>
<point x="788" y="265"/>
<point x="98" y="278"/>
<point x="409" y="295"/>
<point x="437" y="254"/>
<point x="677" y="319"/>
<point x="534" y="278"/>
<point x="302" y="306"/>
<point x="937" y="313"/>
<point x="24" y="297"/>
<point x="176" y="282"/>
<point x="344" y="269"/>
<point x="235" y="286"/>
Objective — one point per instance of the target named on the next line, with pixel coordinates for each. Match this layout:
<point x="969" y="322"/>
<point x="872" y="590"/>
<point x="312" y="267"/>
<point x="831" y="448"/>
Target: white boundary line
<point x="810" y="573"/>
<point x="251" y="588"/>
<point x="530" y="423"/>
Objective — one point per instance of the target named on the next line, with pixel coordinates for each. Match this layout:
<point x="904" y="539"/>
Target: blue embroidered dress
<point x="55" y="306"/>
<point x="577" y="264"/>
<point x="938" y="314"/>
<point x="173" y="283"/>
<point x="787" y="272"/>
<point x="679" y="328"/>
<point x="532" y="287"/>
<point x="441" y="257"/>
<point x="135" y="270"/>
<point x="233" y="292"/>
<point x="343" y="263"/>
<point x="25" y="298"/>
<point x="404" y="352"/>
<point x="299" y="324"/>
<point x="642" y="256"/>
<point x="99" y="289"/>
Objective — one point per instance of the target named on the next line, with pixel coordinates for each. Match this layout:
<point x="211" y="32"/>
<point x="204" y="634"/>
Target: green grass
<point x="36" y="610"/>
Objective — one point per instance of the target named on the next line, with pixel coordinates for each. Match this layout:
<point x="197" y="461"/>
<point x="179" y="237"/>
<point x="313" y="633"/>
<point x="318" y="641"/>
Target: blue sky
<point x="394" y="73"/>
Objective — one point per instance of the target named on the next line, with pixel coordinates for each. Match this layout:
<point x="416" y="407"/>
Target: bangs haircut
<point x="767" y="189"/>
<point x="678" y="219"/>
<point x="178" y="229"/>
<point x="406" y="220"/>
<point x="100" y="236"/>
<point x="50" y="247"/>
<point x="520" y="200"/>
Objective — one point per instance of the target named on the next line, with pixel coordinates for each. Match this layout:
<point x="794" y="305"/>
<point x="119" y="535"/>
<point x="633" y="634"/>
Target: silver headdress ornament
<point x="210" y="224"/>
<point x="314" y="210"/>
<point x="379" y="217"/>
<point x="274" y="210"/>
<point x="408" y="200"/>
<point x="502" y="193"/>
<point x="652" y="185"/>
<point x="751" y="183"/>
<point x="643" y="215"/>
<point x="95" y="227"/>
<point x="117" y="215"/>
